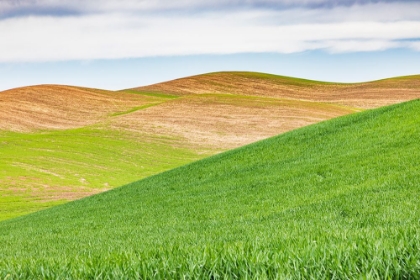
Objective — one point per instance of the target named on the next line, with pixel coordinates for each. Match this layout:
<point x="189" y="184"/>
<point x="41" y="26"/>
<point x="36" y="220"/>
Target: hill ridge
<point x="370" y="94"/>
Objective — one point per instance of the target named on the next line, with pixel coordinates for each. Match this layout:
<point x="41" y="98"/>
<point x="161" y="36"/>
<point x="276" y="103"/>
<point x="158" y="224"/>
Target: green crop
<point x="41" y="169"/>
<point x="336" y="200"/>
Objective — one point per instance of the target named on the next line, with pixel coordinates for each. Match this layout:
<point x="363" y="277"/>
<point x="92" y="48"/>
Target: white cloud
<point x="123" y="35"/>
<point x="54" y="7"/>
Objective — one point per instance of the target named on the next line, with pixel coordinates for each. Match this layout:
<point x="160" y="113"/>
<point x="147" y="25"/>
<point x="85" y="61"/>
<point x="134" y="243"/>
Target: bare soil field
<point x="361" y="95"/>
<point x="230" y="109"/>
<point x="47" y="107"/>
<point x="224" y="110"/>
<point x="221" y="122"/>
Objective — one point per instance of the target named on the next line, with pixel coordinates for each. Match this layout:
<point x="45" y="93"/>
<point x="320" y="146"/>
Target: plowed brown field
<point x="60" y="107"/>
<point x="230" y="109"/>
<point x="217" y="110"/>
<point x="226" y="121"/>
<point x="362" y="95"/>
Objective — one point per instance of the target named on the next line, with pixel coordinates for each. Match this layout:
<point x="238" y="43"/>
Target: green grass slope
<point x="335" y="200"/>
<point x="42" y="169"/>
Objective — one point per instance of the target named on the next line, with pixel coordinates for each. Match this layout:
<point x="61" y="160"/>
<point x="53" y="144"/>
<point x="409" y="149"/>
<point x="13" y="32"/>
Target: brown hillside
<point x="219" y="121"/>
<point x="217" y="110"/>
<point x="60" y="107"/>
<point x="229" y="109"/>
<point x="360" y="95"/>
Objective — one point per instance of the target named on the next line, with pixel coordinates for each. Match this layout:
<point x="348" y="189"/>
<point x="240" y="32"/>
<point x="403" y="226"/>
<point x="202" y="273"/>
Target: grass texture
<point x="335" y="200"/>
<point x="38" y="170"/>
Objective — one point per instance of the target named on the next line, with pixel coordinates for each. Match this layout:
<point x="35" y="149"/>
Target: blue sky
<point x="120" y="44"/>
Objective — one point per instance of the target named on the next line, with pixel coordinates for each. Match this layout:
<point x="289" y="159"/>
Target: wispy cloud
<point x="65" y="7"/>
<point x="49" y="30"/>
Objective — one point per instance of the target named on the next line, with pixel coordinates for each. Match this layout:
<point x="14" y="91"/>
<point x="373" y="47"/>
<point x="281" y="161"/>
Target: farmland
<point x="338" y="199"/>
<point x="61" y="143"/>
<point x="39" y="170"/>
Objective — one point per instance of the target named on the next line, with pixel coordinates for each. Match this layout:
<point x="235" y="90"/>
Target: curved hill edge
<point x="43" y="107"/>
<point x="365" y="95"/>
<point x="297" y="80"/>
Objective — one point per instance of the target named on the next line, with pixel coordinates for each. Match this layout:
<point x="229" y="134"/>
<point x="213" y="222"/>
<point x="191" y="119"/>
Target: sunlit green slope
<point x="39" y="170"/>
<point x="339" y="199"/>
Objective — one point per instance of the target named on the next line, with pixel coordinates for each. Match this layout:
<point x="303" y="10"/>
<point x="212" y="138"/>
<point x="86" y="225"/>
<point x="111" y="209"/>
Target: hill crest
<point x="361" y="95"/>
<point x="44" y="107"/>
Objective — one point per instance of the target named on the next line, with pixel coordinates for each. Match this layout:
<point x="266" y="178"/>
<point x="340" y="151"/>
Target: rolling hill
<point x="53" y="107"/>
<point x="335" y="200"/>
<point x="60" y="143"/>
<point x="56" y="146"/>
<point x="221" y="106"/>
<point x="360" y="95"/>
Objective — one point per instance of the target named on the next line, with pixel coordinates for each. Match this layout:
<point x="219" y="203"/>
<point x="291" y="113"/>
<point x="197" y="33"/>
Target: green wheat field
<point x="335" y="200"/>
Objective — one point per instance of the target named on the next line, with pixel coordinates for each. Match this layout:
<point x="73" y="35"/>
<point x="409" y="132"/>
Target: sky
<point x="116" y="44"/>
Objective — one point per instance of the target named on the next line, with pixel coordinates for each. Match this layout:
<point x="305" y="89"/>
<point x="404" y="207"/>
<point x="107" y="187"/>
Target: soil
<point x="60" y="107"/>
<point x="219" y="122"/>
<point x="360" y="95"/>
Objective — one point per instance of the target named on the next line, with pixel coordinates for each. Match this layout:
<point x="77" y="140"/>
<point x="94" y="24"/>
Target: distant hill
<point x="47" y="107"/>
<point x="361" y="95"/>
<point x="339" y="199"/>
